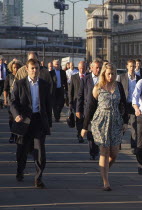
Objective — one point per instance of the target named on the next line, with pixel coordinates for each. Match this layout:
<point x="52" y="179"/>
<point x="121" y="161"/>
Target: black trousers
<point x="58" y="102"/>
<point x="93" y="148"/>
<point x="133" y="124"/>
<point x="139" y="139"/>
<point x="33" y="142"/>
<point x="1" y="86"/>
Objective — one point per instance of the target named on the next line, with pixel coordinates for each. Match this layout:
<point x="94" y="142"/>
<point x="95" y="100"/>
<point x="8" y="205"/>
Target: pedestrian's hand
<point x="19" y="118"/>
<point x="83" y="132"/>
<point x="137" y="112"/>
<point x="78" y="115"/>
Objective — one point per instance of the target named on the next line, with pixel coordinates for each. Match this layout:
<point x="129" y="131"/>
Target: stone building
<point x="106" y="24"/>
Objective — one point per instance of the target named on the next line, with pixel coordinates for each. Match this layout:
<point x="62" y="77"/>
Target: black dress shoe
<point x="139" y="170"/>
<point x="80" y="139"/>
<point x="134" y="151"/>
<point x="12" y="139"/>
<point x="92" y="157"/>
<point x="20" y="177"/>
<point x="40" y="184"/>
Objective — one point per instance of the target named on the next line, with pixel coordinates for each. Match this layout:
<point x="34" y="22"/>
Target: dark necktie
<point x="81" y="76"/>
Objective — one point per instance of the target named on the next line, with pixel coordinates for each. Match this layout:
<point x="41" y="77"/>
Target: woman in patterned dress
<point x="108" y="114"/>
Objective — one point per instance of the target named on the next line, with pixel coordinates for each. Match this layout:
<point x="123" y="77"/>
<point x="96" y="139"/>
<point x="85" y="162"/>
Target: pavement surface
<point x="73" y="181"/>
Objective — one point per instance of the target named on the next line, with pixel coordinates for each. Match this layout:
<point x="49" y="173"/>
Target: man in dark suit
<point x="129" y="81"/>
<point x="73" y="94"/>
<point x="31" y="100"/>
<point x="60" y="88"/>
<point x="85" y="92"/>
<point x="138" y="69"/>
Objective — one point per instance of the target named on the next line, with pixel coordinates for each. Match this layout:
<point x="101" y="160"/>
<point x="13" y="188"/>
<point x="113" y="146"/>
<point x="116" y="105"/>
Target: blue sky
<point x="32" y="14"/>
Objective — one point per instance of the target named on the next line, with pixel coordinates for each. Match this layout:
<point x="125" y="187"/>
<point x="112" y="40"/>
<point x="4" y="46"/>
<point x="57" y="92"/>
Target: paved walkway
<point x="73" y="181"/>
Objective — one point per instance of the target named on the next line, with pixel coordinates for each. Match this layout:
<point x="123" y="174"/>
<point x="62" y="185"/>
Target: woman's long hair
<point x="102" y="81"/>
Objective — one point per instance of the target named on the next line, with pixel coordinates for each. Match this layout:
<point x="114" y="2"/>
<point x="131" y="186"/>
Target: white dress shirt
<point x="131" y="87"/>
<point x="137" y="95"/>
<point x="58" y="78"/>
<point x="69" y="73"/>
<point x="95" y="79"/>
<point x="82" y="75"/>
<point x="34" y="87"/>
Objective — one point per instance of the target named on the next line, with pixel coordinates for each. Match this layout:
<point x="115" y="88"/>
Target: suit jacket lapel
<point x="40" y="92"/>
<point x="54" y="77"/>
<point x="91" y="80"/>
<point x="28" y="91"/>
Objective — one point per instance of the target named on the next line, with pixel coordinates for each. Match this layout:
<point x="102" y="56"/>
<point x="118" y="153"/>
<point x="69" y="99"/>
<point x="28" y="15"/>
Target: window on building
<point x="140" y="49"/>
<point x="29" y="42"/>
<point x="115" y="19"/>
<point x="130" y="18"/>
<point x="130" y="49"/>
<point x="126" y="49"/>
<point x="99" y="42"/>
<point x="121" y="49"/>
<point x="101" y="23"/>
<point x="115" y="47"/>
<point x="135" y="49"/>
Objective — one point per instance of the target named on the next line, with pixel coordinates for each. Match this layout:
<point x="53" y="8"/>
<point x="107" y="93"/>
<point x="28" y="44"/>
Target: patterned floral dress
<point x="107" y="122"/>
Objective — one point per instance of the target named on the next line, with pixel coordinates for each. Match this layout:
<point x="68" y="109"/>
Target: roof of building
<point x="124" y="1"/>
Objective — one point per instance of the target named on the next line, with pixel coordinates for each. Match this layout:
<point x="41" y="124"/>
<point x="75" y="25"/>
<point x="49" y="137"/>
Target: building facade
<point x="16" y="41"/>
<point x="104" y="22"/>
<point x="11" y="13"/>
<point x="127" y="43"/>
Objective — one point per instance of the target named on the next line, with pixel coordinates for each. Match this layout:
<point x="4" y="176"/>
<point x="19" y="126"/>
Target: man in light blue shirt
<point x="129" y="80"/>
<point x="137" y="104"/>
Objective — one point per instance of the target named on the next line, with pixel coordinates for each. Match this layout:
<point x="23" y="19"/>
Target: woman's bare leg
<point x="104" y="164"/>
<point x="113" y="154"/>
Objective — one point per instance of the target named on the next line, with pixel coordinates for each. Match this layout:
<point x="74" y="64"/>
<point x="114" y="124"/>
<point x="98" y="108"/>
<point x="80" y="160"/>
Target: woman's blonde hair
<point x="18" y="62"/>
<point x="102" y="80"/>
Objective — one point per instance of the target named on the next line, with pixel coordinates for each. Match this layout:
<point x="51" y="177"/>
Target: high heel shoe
<point x="107" y="189"/>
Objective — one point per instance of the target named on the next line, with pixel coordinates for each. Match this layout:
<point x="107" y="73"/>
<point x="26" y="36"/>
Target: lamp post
<point x="73" y="4"/>
<point x="52" y="15"/>
<point x="102" y="29"/>
<point x="36" y="25"/>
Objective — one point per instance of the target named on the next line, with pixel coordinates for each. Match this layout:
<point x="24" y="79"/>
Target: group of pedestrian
<point x="102" y="106"/>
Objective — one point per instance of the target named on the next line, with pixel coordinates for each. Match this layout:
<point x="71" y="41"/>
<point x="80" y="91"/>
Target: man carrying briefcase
<point x="31" y="99"/>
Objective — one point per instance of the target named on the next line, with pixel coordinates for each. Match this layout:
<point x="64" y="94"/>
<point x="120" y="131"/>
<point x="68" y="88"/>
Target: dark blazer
<point x="123" y="78"/>
<point x="63" y="80"/>
<point x="84" y="94"/>
<point x="141" y="73"/>
<point x="21" y="102"/>
<point x="73" y="89"/>
<point x="45" y="75"/>
<point x="92" y="106"/>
